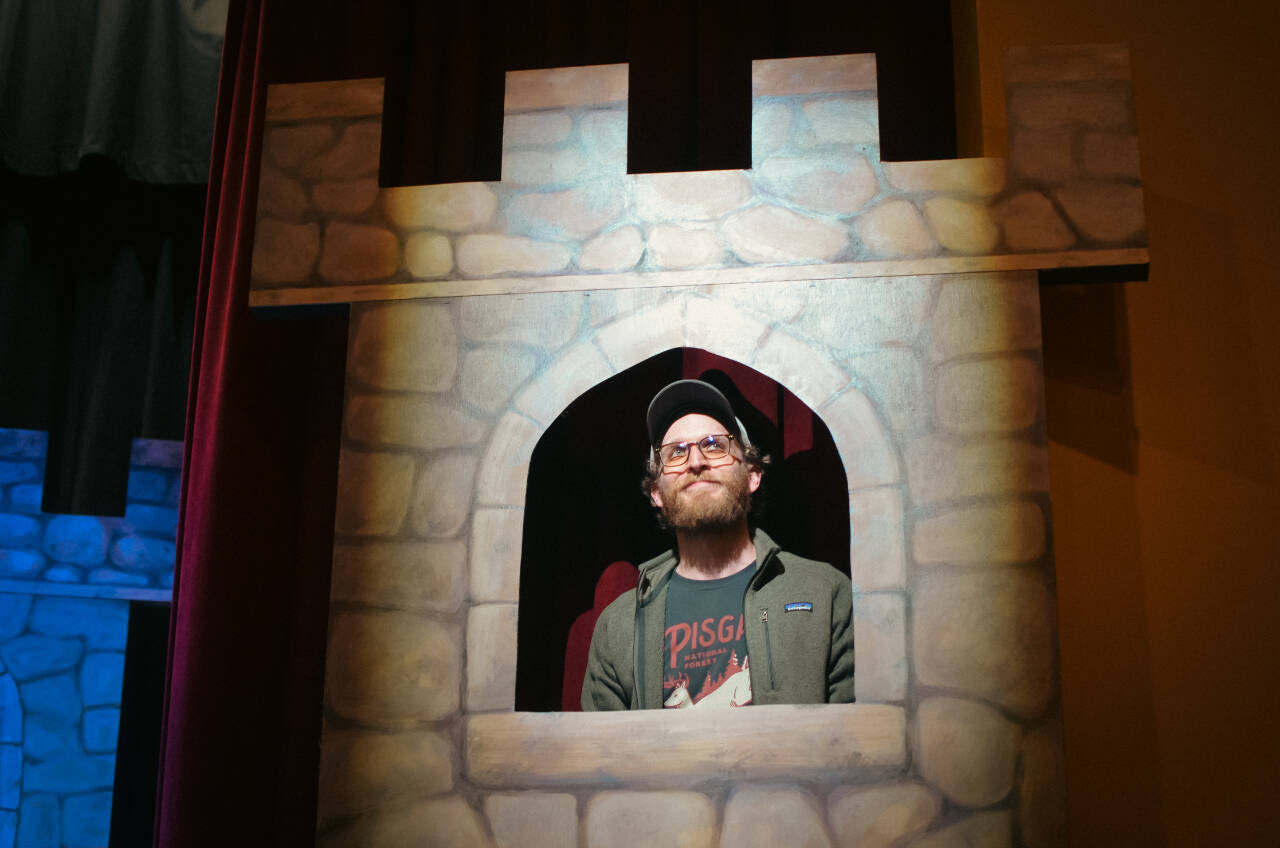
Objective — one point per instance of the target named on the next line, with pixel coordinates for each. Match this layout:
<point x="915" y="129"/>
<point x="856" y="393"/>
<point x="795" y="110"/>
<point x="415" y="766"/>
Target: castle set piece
<point x="899" y="301"/>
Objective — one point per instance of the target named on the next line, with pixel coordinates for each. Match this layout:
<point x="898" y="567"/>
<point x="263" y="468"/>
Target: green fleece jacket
<point x="797" y="656"/>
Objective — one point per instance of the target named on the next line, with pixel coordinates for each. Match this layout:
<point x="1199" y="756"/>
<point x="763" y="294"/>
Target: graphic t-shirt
<point x="705" y="650"/>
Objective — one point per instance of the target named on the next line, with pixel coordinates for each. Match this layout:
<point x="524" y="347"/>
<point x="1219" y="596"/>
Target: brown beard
<point x="725" y="509"/>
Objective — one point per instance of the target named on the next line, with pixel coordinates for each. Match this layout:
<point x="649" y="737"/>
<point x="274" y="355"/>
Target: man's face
<point x="704" y="494"/>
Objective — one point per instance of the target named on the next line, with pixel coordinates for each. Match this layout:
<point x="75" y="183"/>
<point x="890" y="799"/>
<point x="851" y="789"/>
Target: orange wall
<point x="1165" y="429"/>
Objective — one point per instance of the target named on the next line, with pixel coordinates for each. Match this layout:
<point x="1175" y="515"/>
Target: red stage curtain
<point x="239" y="750"/>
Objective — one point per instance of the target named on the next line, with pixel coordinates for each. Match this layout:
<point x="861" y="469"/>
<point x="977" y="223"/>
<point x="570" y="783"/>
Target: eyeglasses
<point x="676" y="454"/>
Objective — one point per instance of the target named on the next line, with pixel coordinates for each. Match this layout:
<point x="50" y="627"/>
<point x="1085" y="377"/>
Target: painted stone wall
<point x="65" y="586"/>
<point x="931" y="388"/>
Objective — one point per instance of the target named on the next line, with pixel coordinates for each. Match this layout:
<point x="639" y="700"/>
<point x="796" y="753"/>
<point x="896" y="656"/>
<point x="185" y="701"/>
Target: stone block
<point x="427" y="423"/>
<point x="10" y="777"/>
<point x="689" y="196"/>
<point x="112" y="577"/>
<point x="143" y="553"/>
<point x="881" y="816"/>
<point x="39" y="827"/>
<point x="392" y="667"/>
<point x="100" y="728"/>
<point x="69" y="774"/>
<point x="78" y="539"/>
<point x="976" y="177"/>
<point x="1051" y="105"/>
<point x="157" y="453"/>
<point x="102" y="622"/>
<point x="8" y="827"/>
<point x="772" y="235"/>
<point x="810" y="376"/>
<point x="63" y="574"/>
<point x="356" y="253"/>
<point x="841" y="121"/>
<point x="428" y="255"/>
<point x="644" y="819"/>
<point x="86" y="819"/>
<point x="10" y="710"/>
<point x="442" y="496"/>
<point x="1043" y="156"/>
<point x="570" y="215"/>
<point x="876" y="552"/>
<point x="26" y="497"/>
<point x="13" y="614"/>
<point x="535" y="129"/>
<point x="420" y="576"/>
<point x="894" y="380"/>
<point x="145" y="518"/>
<point x="1032" y="223"/>
<point x="989" y="633"/>
<point x="545" y="320"/>
<point x="345" y="197"/>
<point x="533" y="819"/>
<point x="373" y="492"/>
<point x="504" y="470"/>
<point x="893" y="229"/>
<point x="1111" y="214"/>
<point x="573" y="372"/>
<point x="849" y="316"/>
<point x="960" y="226"/>
<point x="101" y="678"/>
<point x="1062" y="62"/>
<point x="880" y="647"/>
<point x="988" y="395"/>
<point x="491" y="657"/>
<point x="55" y="697"/>
<point x="966" y="749"/>
<point x="17" y="472"/>
<point x="770" y="128"/>
<point x="986" y="313"/>
<point x="638" y="336"/>
<point x="363" y="769"/>
<point x="280" y="196"/>
<point x="831" y="186"/>
<point x="1004" y="533"/>
<point x="813" y="75"/>
<point x="491" y="374"/>
<point x="1042" y="803"/>
<point x="542" y="167"/>
<point x="437" y="823"/>
<point x="1112" y="155"/>
<point x="939" y="470"/>
<point x="284" y="252"/>
<point x="614" y="250"/>
<point x="674" y="246"/>
<point x="291" y="146"/>
<point x="452" y="207"/>
<point x="716" y="325"/>
<point x="603" y="134"/>
<point x="772" y="816"/>
<point x="491" y="255"/>
<point x="51" y="737"/>
<point x="36" y="656"/>
<point x="405" y="347"/>
<point x="495" y="554"/>
<point x="865" y="448"/>
<point x="588" y="85"/>
<point x="355" y="154"/>
<point x="147" y="485"/>
<point x="27" y="444"/>
<point x="980" y="830"/>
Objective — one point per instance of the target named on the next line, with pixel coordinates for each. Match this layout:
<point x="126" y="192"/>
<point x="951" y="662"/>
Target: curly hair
<point x="751" y="455"/>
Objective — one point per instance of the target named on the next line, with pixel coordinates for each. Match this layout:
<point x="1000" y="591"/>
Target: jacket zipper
<point x="768" y="644"/>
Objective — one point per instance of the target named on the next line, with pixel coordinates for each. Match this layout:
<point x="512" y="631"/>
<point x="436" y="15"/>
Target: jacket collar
<point x="655" y="573"/>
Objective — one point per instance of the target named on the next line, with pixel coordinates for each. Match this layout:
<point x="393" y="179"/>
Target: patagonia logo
<point x="799" y="606"/>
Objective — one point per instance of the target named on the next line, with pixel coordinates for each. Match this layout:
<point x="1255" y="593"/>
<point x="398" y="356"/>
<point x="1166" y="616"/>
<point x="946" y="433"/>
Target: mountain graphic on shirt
<point x="730" y="689"/>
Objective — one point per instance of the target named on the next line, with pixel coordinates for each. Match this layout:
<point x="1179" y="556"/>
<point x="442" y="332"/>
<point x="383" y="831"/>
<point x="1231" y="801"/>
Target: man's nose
<point x="697" y="459"/>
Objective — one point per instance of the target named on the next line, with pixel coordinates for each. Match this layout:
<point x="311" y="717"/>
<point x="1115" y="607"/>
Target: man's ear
<point x="754" y="476"/>
<point x="655" y="497"/>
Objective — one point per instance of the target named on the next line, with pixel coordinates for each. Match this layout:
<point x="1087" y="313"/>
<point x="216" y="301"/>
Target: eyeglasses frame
<point x="657" y="451"/>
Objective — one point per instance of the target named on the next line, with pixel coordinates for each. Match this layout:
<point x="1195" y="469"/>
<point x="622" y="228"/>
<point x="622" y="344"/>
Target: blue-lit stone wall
<point x="65" y="586"/>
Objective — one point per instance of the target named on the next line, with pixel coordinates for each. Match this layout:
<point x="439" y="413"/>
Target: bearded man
<point x="726" y="618"/>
